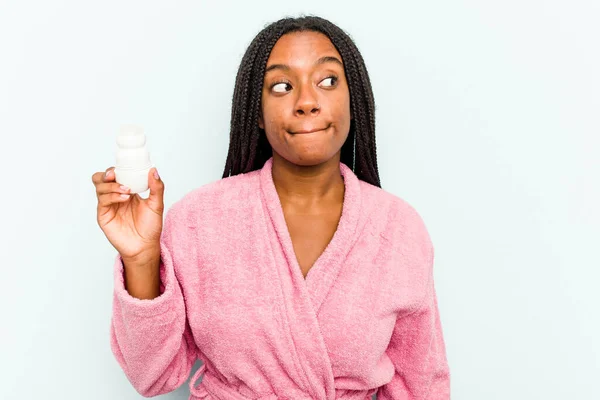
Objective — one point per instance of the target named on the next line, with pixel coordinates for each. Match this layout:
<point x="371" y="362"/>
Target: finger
<point x="100" y="177"/>
<point x="109" y="175"/>
<point x="157" y="189"/>
<point x="111" y="187"/>
<point x="105" y="200"/>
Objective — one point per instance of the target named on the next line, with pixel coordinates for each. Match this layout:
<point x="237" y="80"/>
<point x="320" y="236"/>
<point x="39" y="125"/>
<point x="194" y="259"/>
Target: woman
<point x="295" y="276"/>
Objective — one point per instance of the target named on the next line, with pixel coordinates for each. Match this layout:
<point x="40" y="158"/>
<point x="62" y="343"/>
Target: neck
<point x="308" y="186"/>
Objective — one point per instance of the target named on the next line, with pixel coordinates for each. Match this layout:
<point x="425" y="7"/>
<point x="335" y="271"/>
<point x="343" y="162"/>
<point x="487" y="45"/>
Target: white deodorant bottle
<point x="133" y="160"/>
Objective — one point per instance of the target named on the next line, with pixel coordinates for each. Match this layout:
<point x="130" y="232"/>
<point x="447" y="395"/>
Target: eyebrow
<point x="320" y="61"/>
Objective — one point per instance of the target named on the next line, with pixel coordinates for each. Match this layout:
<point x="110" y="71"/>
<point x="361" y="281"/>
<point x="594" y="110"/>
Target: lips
<point x="309" y="130"/>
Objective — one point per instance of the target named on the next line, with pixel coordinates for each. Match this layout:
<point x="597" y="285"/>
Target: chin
<point x="309" y="159"/>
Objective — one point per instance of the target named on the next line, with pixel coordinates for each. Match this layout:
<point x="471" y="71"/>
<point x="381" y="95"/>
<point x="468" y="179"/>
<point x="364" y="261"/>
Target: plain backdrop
<point x="487" y="117"/>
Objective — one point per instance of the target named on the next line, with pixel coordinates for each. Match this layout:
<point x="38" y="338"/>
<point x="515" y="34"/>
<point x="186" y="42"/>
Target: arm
<point x="151" y="338"/>
<point x="418" y="352"/>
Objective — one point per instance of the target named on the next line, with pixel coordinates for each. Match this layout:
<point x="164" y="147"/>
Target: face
<point x="305" y="102"/>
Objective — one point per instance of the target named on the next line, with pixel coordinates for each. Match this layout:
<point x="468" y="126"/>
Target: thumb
<point x="157" y="190"/>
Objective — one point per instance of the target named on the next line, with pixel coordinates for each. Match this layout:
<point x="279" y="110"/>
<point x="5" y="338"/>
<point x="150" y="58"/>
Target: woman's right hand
<point x="133" y="225"/>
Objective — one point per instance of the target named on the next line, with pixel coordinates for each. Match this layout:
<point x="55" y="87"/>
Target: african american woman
<point x="294" y="275"/>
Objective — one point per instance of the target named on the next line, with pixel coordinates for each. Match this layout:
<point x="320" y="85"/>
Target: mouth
<point x="304" y="131"/>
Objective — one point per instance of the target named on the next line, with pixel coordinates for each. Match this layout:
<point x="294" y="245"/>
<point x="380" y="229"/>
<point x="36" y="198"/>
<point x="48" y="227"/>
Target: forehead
<point x="298" y="48"/>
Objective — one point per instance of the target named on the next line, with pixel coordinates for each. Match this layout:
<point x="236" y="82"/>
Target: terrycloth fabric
<point x="365" y="320"/>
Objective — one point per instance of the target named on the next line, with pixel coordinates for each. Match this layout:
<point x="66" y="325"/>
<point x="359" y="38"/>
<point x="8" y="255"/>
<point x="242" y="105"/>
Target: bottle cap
<point x="131" y="148"/>
<point x="131" y="136"/>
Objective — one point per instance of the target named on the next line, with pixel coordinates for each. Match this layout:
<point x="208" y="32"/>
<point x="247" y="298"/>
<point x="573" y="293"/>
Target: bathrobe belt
<point x="212" y="388"/>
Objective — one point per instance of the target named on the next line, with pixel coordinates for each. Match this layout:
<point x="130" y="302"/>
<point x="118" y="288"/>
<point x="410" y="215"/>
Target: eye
<point x="333" y="80"/>
<point x="283" y="84"/>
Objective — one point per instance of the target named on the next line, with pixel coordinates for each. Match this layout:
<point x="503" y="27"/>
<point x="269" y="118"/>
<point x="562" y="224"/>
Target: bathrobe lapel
<point x="302" y="298"/>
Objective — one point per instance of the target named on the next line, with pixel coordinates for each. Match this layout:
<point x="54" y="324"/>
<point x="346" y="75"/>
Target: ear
<point x="261" y="123"/>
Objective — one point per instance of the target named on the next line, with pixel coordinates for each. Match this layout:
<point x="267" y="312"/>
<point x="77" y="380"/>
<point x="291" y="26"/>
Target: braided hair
<point x="248" y="145"/>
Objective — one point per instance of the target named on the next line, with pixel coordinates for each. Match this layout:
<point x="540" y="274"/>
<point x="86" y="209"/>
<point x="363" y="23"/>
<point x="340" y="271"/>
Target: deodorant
<point x="133" y="159"/>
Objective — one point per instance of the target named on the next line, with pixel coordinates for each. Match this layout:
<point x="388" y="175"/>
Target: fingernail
<point x="107" y="173"/>
<point x="156" y="174"/>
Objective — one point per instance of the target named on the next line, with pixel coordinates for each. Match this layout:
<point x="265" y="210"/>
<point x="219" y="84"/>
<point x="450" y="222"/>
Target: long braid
<point x="248" y="145"/>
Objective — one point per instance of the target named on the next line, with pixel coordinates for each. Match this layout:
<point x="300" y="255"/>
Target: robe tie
<point x="212" y="388"/>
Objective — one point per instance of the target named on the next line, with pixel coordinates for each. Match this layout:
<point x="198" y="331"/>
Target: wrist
<point x="143" y="260"/>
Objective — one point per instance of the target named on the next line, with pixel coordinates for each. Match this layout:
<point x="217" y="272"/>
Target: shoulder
<point x="223" y="191"/>
<point x="226" y="193"/>
<point x="395" y="219"/>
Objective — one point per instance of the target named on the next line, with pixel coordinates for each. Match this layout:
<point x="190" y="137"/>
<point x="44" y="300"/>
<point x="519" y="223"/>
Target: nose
<point x="307" y="102"/>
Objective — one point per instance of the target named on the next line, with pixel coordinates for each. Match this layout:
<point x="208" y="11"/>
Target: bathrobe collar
<point x="324" y="271"/>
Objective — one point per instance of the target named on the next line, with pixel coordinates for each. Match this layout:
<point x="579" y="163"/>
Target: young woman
<point x="294" y="276"/>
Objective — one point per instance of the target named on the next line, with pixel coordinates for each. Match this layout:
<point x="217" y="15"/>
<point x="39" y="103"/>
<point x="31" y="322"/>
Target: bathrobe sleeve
<point x="151" y="339"/>
<point x="418" y="352"/>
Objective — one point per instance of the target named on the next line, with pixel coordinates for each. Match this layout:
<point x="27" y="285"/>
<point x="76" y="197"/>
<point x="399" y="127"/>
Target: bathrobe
<point x="364" y="320"/>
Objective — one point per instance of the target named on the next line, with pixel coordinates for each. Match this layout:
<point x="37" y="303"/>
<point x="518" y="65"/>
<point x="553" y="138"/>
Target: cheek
<point x="347" y="105"/>
<point x="272" y="118"/>
<point x="272" y="130"/>
<point x="341" y="106"/>
<point x="272" y="127"/>
<point x="343" y="116"/>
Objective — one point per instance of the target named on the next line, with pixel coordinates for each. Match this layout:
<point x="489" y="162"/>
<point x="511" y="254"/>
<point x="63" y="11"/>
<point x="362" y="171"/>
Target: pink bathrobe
<point x="365" y="320"/>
